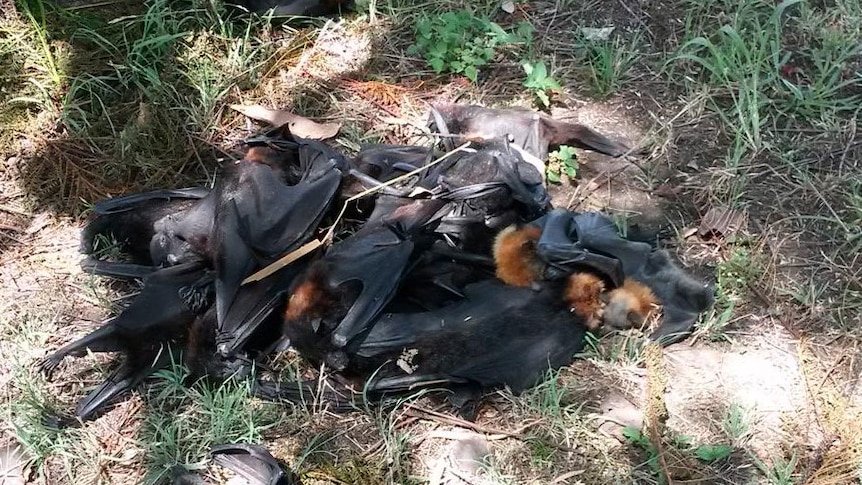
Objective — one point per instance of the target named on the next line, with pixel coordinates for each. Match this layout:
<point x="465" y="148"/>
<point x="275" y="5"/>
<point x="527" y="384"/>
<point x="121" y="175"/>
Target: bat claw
<point x="48" y="365"/>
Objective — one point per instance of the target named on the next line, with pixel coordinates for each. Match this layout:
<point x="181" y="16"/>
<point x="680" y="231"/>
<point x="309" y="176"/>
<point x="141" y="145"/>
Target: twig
<point x="417" y="411"/>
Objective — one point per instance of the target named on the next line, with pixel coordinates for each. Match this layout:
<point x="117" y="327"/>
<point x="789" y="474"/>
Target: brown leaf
<point x="722" y="222"/>
<point x="298" y="125"/>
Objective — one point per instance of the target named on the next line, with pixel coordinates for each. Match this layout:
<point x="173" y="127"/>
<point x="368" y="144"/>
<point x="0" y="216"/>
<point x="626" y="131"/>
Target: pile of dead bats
<point x="401" y="269"/>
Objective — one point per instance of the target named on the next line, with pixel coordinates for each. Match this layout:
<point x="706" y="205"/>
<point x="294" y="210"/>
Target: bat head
<point x="583" y="296"/>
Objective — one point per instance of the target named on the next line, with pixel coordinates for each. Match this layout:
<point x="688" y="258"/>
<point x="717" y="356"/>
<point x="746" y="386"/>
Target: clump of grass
<point x="142" y="106"/>
<point x="735" y="276"/>
<point x="736" y="424"/>
<point x="782" y="471"/>
<point x="555" y="404"/>
<point x="31" y="74"/>
<point x="29" y="415"/>
<point x="396" y="441"/>
<point x="624" y="348"/>
<point x="182" y="422"/>
<point x="607" y="62"/>
<point x="760" y="82"/>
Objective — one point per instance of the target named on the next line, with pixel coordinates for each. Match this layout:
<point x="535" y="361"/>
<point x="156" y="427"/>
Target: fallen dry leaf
<point x="298" y="125"/>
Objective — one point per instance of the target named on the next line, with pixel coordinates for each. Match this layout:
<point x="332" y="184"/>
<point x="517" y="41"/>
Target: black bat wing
<point x="167" y="304"/>
<point x="130" y="202"/>
<point x="295" y="8"/>
<point x="125" y="378"/>
<point x="253" y="305"/>
<point x="116" y="270"/>
<point x="376" y="262"/>
<point x="572" y="240"/>
<point x="252" y="463"/>
<point x="131" y="219"/>
<point x="318" y="393"/>
<point x="276" y="218"/>
<point x="233" y="258"/>
<point x="438" y="278"/>
<point x="385" y="162"/>
<point x="682" y="297"/>
<point x="498" y="335"/>
<point x="260" y="218"/>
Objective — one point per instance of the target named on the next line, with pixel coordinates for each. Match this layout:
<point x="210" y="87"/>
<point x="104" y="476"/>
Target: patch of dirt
<point x="604" y="183"/>
<point x="761" y="374"/>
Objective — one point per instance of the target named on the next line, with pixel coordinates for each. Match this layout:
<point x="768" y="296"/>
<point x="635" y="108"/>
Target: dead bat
<point x="637" y="276"/>
<point x="489" y="189"/>
<point x="154" y="228"/>
<point x="342" y="292"/>
<point x="489" y="336"/>
<point x="534" y="132"/>
<point x="156" y="320"/>
<point x="497" y="335"/>
<point x="382" y="163"/>
<point x="268" y="204"/>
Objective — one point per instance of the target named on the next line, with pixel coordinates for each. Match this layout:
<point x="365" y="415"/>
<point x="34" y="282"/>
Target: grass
<point x="607" y="62"/>
<point x="741" y="271"/>
<point x="736" y="424"/>
<point x="751" y="104"/>
<point x="182" y="423"/>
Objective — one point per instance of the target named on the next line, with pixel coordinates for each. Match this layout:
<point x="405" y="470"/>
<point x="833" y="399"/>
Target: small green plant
<point x="635" y="437"/>
<point x="564" y="160"/>
<point x="741" y="269"/>
<point x="734" y="276"/>
<point x="782" y="470"/>
<point x="460" y="42"/>
<point x="707" y="453"/>
<point x="736" y="424"/>
<point x="540" y="82"/>
<point x="711" y="453"/>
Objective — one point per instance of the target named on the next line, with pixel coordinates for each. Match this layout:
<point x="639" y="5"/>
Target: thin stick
<point x="284" y="261"/>
<point x="418" y="411"/>
<point x="327" y="238"/>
